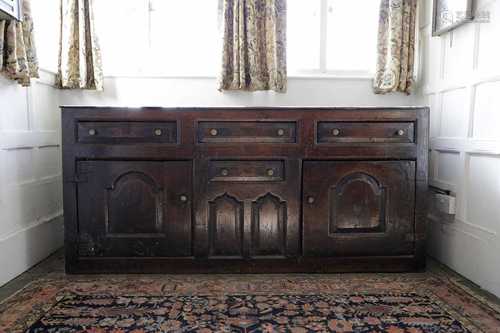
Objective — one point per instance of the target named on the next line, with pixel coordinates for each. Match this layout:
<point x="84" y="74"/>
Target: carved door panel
<point x="226" y="223"/>
<point x="358" y="208"/>
<point x="248" y="209"/>
<point x="134" y="209"/>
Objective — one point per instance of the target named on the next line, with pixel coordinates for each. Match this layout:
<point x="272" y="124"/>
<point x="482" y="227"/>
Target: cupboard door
<point x="358" y="208"/>
<point x="247" y="209"/>
<point x="134" y="208"/>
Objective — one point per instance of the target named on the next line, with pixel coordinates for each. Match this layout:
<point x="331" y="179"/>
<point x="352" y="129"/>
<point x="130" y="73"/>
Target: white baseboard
<point x="24" y="249"/>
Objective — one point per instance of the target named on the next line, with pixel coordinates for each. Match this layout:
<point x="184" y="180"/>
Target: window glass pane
<point x="185" y="38"/>
<point x="47" y="29"/>
<point x="123" y="35"/>
<point x="352" y="35"/>
<point x="303" y="35"/>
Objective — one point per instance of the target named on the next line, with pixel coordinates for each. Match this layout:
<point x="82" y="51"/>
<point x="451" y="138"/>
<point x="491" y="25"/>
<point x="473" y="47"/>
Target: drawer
<point x="246" y="171"/>
<point x="247" y="131"/>
<point x="126" y="132"/>
<point x="365" y="132"/>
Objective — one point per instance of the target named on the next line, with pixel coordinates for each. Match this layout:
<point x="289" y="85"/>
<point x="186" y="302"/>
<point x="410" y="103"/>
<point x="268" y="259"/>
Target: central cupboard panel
<point x="247" y="209"/>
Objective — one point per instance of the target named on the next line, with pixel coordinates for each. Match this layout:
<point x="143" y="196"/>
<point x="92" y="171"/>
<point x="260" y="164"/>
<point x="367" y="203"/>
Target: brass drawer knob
<point x="336" y="132"/>
<point x="158" y="132"/>
<point x="224" y="172"/>
<point x="92" y="132"/>
<point x="281" y="132"/>
<point x="183" y="198"/>
<point x="401" y="132"/>
<point x="310" y="200"/>
<point x="270" y="172"/>
<point x="214" y="132"/>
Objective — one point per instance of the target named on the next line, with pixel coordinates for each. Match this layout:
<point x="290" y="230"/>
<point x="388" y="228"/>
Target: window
<point x="158" y="37"/>
<point x="336" y="37"/>
<point x="182" y="38"/>
<point x="46" y="31"/>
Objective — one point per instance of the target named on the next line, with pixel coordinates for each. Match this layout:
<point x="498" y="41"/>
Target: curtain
<point x="396" y="46"/>
<point x="80" y="64"/>
<point x="254" y="45"/>
<point x="18" y="60"/>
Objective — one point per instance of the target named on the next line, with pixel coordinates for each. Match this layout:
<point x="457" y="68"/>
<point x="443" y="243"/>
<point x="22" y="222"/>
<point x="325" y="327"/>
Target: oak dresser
<point x="244" y="190"/>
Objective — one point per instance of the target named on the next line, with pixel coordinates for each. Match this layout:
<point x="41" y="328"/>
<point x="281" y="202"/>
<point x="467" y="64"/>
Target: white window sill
<point x="332" y="76"/>
<point x="294" y="76"/>
<point x="212" y="77"/>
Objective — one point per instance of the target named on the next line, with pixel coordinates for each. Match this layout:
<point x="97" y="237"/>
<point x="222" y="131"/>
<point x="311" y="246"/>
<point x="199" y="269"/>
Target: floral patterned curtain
<point x="18" y="60"/>
<point x="80" y="64"/>
<point x="254" y="46"/>
<point x="396" y="46"/>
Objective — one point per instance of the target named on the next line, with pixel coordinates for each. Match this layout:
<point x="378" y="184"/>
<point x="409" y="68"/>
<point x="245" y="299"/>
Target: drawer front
<point x="246" y="171"/>
<point x="127" y="132"/>
<point x="365" y="132"/>
<point x="247" y="131"/>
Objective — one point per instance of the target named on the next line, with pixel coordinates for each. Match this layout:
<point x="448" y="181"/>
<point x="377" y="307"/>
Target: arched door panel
<point x="134" y="208"/>
<point x="358" y="208"/>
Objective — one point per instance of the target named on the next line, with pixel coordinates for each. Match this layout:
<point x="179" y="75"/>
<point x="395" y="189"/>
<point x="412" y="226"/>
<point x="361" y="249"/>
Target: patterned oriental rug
<point x="395" y="303"/>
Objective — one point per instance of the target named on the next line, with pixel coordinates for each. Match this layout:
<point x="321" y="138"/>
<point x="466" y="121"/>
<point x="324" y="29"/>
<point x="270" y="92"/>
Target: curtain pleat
<point x="80" y="65"/>
<point x="396" y="46"/>
<point x="18" y="59"/>
<point x="254" y="45"/>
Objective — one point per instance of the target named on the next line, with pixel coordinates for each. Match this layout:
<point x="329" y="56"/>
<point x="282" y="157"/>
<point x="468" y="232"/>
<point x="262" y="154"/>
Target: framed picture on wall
<point x="449" y="14"/>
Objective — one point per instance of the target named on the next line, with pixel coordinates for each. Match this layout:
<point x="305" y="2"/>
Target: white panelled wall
<point x="461" y="83"/>
<point x="30" y="175"/>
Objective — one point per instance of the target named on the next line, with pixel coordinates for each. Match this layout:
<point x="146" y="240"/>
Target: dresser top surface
<point x="246" y="108"/>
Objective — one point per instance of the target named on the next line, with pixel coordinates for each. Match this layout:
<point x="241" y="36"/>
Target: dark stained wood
<point x="358" y="208"/>
<point x="246" y="171"/>
<point x="259" y="265"/>
<point x="246" y="208"/>
<point x="225" y="227"/>
<point x="246" y="131"/>
<point x="119" y="132"/>
<point x="254" y="190"/>
<point x="269" y="215"/>
<point x="134" y="208"/>
<point x="364" y="132"/>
